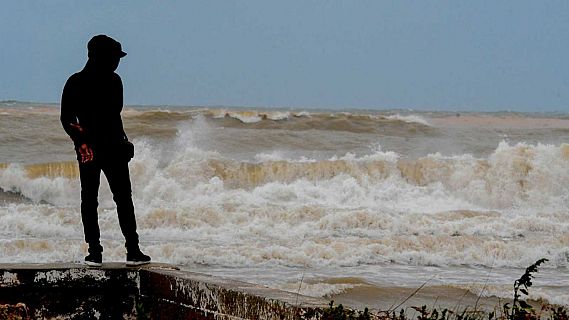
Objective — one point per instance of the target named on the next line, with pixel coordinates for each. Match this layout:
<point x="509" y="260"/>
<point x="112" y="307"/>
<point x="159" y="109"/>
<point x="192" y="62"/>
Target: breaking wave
<point x="518" y="175"/>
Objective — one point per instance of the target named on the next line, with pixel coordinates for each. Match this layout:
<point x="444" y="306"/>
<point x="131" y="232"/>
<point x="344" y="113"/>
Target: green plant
<point x="521" y="309"/>
<point x="141" y="311"/>
<point x="337" y="313"/>
<point x="446" y="314"/>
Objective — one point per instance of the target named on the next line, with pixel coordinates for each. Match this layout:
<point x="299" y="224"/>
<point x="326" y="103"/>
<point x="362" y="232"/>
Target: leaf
<point x="525" y="306"/>
<point x="524" y="291"/>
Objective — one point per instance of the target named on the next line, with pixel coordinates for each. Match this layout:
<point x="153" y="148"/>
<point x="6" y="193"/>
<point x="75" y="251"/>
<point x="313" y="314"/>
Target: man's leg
<point x="119" y="181"/>
<point x="90" y="175"/>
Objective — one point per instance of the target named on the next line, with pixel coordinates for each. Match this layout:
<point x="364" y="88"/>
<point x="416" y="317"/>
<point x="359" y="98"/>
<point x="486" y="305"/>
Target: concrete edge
<point x="76" y="291"/>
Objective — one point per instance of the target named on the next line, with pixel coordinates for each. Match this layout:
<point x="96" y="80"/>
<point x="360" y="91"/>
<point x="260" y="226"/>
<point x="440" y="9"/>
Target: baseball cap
<point x="102" y="45"/>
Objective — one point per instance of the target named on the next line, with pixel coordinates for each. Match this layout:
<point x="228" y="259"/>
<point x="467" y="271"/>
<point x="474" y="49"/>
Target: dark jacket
<point x="94" y="100"/>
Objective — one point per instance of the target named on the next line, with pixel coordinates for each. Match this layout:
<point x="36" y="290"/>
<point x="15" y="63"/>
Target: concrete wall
<point x="154" y="291"/>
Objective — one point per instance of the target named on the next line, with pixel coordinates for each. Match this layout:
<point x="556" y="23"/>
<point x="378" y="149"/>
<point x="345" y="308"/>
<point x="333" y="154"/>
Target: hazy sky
<point x="428" y="55"/>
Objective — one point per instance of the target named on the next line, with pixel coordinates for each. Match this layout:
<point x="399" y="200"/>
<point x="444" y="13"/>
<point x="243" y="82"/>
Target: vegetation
<point x="519" y="309"/>
<point x="14" y="312"/>
<point x="142" y="312"/>
<point x="337" y="313"/>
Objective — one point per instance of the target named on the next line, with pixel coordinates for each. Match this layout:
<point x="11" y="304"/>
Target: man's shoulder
<point x="72" y="83"/>
<point x="76" y="77"/>
<point x="84" y="78"/>
<point x="116" y="77"/>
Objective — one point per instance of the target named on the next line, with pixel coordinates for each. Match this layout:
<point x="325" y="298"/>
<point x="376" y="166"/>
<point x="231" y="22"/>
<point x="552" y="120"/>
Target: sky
<point x="422" y="55"/>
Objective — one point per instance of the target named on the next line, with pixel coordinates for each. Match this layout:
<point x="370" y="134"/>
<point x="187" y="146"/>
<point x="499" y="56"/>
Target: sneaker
<point x="94" y="260"/>
<point x="136" y="258"/>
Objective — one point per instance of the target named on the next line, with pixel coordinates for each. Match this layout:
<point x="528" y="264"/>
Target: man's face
<point x="108" y="63"/>
<point x="114" y="63"/>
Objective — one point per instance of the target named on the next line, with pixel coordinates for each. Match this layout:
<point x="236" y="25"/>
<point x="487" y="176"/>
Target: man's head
<point x="103" y="45"/>
<point x="105" y="52"/>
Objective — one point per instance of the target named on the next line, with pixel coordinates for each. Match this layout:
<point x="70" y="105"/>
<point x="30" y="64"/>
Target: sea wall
<point x="154" y="291"/>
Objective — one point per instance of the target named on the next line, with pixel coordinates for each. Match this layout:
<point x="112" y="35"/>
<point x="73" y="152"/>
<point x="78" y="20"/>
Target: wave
<point x="513" y="175"/>
<point x="408" y="118"/>
<point x="347" y="122"/>
<point x="520" y="174"/>
<point x="12" y="197"/>
<point x="157" y="115"/>
<point x="162" y="123"/>
<point x="254" y="116"/>
<point x="290" y="120"/>
<point x="327" y="287"/>
<point x="68" y="169"/>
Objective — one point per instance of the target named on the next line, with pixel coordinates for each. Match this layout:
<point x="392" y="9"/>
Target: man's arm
<point x="68" y="115"/>
<point x="69" y="122"/>
<point x="119" y="98"/>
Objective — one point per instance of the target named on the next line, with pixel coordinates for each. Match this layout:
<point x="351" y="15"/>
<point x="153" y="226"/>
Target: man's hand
<point x="86" y="153"/>
<point x="77" y="127"/>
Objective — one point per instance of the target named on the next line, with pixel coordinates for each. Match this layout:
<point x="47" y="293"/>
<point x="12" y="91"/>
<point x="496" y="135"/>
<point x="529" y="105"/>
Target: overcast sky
<point x="426" y="55"/>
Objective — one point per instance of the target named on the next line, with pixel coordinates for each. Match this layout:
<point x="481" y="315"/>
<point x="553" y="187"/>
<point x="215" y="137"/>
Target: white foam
<point x="408" y="118"/>
<point x="253" y="116"/>
<point x="56" y="190"/>
<point x="275" y="155"/>
<point x="277" y="115"/>
<point x="302" y="114"/>
<point x="249" y="117"/>
<point x="377" y="154"/>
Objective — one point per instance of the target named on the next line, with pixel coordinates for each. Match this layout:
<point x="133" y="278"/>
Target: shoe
<point x="94" y="260"/>
<point x="136" y="258"/>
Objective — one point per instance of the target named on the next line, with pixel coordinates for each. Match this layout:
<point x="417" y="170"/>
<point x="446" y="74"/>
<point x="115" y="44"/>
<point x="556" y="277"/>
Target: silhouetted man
<point x="91" y="104"/>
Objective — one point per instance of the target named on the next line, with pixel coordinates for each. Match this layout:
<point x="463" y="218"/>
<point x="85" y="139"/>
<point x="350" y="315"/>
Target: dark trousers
<point x="119" y="181"/>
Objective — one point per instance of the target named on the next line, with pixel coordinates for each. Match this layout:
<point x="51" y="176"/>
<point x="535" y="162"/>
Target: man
<point x="91" y="104"/>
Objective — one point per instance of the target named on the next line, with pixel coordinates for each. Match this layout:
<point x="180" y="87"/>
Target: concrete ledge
<point x="222" y="298"/>
<point x="153" y="291"/>
<point x="70" y="291"/>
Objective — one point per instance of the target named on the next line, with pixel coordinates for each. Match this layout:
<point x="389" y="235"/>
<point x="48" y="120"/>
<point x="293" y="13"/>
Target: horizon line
<point x="322" y="108"/>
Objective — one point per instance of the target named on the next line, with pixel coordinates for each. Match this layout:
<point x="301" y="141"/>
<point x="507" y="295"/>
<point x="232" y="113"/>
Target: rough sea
<point x="352" y="205"/>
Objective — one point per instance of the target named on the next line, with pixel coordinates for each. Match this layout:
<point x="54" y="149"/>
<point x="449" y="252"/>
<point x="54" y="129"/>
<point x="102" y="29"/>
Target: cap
<point x="102" y="45"/>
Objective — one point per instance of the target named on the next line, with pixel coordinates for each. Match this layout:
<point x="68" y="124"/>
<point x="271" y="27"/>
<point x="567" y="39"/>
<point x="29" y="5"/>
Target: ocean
<point x="349" y="205"/>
